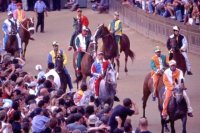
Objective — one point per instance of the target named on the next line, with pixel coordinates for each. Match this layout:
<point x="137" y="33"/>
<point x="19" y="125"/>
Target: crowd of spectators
<point x="187" y="11"/>
<point x="31" y="103"/>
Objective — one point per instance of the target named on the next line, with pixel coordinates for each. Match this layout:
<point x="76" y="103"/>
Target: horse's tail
<point x="131" y="54"/>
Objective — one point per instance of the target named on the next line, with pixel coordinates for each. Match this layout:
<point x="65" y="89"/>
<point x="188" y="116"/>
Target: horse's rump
<point x="12" y="45"/>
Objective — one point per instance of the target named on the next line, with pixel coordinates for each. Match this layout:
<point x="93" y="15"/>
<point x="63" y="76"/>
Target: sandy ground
<point x="58" y="26"/>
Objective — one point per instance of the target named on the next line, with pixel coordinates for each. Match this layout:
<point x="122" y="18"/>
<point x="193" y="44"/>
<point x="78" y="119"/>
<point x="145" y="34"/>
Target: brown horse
<point x="26" y="30"/>
<point x="86" y="62"/>
<point x="110" y="47"/>
<point x="12" y="45"/>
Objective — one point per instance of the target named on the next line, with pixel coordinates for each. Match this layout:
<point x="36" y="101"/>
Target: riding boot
<point x="5" y="39"/>
<point x="188" y="104"/>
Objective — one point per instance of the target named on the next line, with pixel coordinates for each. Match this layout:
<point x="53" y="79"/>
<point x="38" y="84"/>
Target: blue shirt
<point x="40" y="7"/>
<point x="39" y="123"/>
<point x="12" y="7"/>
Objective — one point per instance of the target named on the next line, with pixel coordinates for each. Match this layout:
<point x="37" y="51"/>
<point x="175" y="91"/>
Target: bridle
<point x="28" y="29"/>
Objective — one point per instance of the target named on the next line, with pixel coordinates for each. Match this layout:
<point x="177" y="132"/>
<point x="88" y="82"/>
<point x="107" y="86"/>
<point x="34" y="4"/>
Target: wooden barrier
<point x="154" y="26"/>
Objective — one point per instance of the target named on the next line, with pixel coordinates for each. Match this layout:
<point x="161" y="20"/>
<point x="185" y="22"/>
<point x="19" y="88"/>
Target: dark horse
<point x="86" y="62"/>
<point x="61" y="72"/>
<point x="26" y="30"/>
<point x="177" y="108"/>
<point x="110" y="46"/>
<point x="148" y="82"/>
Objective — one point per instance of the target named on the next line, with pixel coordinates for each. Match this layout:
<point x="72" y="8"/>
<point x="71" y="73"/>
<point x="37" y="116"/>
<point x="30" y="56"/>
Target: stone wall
<point x="154" y="26"/>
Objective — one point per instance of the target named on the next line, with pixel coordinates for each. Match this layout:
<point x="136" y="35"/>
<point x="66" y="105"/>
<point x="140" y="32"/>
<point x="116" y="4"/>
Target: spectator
<point x="56" y="5"/>
<point x="143" y="126"/>
<point x="12" y="6"/>
<point x="16" y="125"/>
<point x="121" y="112"/>
<point x="41" y="73"/>
<point x="40" y="8"/>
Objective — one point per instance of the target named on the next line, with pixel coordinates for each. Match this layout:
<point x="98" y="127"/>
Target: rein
<point x="29" y="29"/>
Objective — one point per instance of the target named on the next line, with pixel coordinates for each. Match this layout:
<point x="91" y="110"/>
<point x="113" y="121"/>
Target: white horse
<point x="107" y="88"/>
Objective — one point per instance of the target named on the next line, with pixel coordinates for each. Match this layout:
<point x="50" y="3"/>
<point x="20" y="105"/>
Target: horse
<point x="110" y="47"/>
<point x="177" y="55"/>
<point x="26" y="30"/>
<point x="86" y="62"/>
<point x="177" y="108"/>
<point x="61" y="72"/>
<point x="12" y="45"/>
<point x="107" y="88"/>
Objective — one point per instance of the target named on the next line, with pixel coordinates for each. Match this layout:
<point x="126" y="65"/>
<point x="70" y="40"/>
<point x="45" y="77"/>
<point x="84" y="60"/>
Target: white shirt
<point x="8" y="24"/>
<point x="56" y="77"/>
<point x="82" y="41"/>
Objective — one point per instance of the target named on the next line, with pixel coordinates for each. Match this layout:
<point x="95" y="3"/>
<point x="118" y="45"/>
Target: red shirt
<point x="84" y="21"/>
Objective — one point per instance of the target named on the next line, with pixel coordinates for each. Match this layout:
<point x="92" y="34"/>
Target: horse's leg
<point x="146" y="94"/>
<point x="172" y="126"/>
<point x="184" y="121"/>
<point x="162" y="124"/>
<point x="126" y="60"/>
<point x="24" y="51"/>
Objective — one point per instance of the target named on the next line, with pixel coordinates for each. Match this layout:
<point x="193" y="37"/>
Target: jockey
<point x="81" y="42"/>
<point x="158" y="64"/>
<point x="82" y="18"/>
<point x="10" y="26"/>
<point x="19" y="13"/>
<point x="182" y="46"/>
<point x="115" y="27"/>
<point x="52" y="59"/>
<point x="84" y="23"/>
<point x="98" y="70"/>
<point x="169" y="77"/>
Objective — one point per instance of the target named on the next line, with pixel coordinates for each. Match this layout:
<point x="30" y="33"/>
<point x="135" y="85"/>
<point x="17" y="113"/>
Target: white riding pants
<point x="188" y="65"/>
<point x="187" y="101"/>
<point x="19" y="41"/>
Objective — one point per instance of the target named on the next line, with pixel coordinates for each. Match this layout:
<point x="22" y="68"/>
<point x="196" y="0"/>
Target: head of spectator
<point x="128" y="127"/>
<point x="89" y="110"/>
<point x="176" y="30"/>
<point x="3" y="116"/>
<point x="92" y="120"/>
<point x="116" y="15"/>
<point x="83" y="86"/>
<point x="143" y="124"/>
<point x="78" y="118"/>
<point x="38" y="67"/>
<point x="44" y="92"/>
<point x="19" y="6"/>
<point x="50" y="66"/>
<point x="127" y="102"/>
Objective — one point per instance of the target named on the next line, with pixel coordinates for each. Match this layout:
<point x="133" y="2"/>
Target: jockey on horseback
<point x="182" y="45"/>
<point x="81" y="42"/>
<point x="52" y="59"/>
<point x="115" y="27"/>
<point x="10" y="26"/>
<point x="98" y="70"/>
<point x="169" y="78"/>
<point x="84" y="22"/>
<point x="19" y="13"/>
<point x="158" y="64"/>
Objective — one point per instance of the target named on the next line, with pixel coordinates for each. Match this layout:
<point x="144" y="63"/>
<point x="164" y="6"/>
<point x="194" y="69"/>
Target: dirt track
<point x="59" y="27"/>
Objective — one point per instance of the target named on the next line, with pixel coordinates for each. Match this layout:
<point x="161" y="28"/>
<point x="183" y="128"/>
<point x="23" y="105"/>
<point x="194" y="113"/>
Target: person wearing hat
<point x="19" y="13"/>
<point x="158" y="64"/>
<point x="10" y="26"/>
<point x="41" y="73"/>
<point x="40" y="8"/>
<point x="115" y="27"/>
<point x="52" y="59"/>
<point x="98" y="70"/>
<point x="81" y="42"/>
<point x="84" y="20"/>
<point x="182" y="45"/>
<point x="170" y="75"/>
<point x="12" y="6"/>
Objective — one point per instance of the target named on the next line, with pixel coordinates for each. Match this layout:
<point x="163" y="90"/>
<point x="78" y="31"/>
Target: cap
<point x="176" y="28"/>
<point x="100" y="53"/>
<point x="79" y="10"/>
<point x="157" y="49"/>
<point x="93" y="119"/>
<point x="19" y="4"/>
<point x="38" y="67"/>
<point x="55" y="43"/>
<point x="9" y="13"/>
<point x="84" y="28"/>
<point x="32" y="84"/>
<point x="116" y="13"/>
<point x="172" y="62"/>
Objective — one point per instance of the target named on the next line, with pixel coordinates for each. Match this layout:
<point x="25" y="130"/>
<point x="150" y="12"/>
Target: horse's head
<point x="28" y="24"/>
<point x="101" y="32"/>
<point x="92" y="48"/>
<point x="59" y="62"/>
<point x="178" y="91"/>
<point x="110" y="77"/>
<point x="173" y="44"/>
<point x="77" y="25"/>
